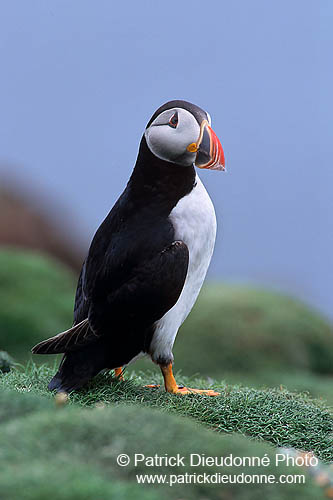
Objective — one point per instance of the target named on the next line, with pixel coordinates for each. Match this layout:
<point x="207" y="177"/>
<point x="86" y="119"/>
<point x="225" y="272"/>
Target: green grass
<point x="273" y="415"/>
<point x="70" y="453"/>
<point x="317" y="386"/>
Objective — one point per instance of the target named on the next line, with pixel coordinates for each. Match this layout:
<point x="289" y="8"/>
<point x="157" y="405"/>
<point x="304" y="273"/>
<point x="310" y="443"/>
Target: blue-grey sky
<point x="80" y="79"/>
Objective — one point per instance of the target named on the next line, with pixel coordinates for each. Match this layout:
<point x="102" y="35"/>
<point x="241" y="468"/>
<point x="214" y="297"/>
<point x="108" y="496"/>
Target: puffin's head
<point x="180" y="132"/>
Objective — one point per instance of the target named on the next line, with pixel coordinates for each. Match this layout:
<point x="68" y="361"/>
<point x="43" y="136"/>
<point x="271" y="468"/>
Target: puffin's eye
<point x="173" y="122"/>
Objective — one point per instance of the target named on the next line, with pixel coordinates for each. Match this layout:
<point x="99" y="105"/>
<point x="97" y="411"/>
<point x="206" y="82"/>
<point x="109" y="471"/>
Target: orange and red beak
<point x="209" y="150"/>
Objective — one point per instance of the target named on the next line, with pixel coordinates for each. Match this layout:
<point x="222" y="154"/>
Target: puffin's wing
<point x="153" y="288"/>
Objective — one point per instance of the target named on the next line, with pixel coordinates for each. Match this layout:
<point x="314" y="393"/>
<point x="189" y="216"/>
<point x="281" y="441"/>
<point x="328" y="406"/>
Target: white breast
<point x="195" y="224"/>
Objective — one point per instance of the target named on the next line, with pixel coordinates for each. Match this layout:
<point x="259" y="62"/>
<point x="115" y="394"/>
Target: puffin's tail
<point x="73" y="339"/>
<point x="78" y="367"/>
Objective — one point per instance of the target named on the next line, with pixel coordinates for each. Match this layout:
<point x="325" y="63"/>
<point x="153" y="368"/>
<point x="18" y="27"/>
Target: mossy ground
<point x="69" y="453"/>
<point x="273" y="415"/>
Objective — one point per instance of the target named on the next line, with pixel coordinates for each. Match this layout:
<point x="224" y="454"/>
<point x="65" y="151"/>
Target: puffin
<point x="148" y="259"/>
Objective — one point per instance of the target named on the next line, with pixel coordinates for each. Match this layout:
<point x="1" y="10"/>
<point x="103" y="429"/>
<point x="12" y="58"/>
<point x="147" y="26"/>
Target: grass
<point x="273" y="415"/>
<point x="317" y="386"/>
<point x="70" y="453"/>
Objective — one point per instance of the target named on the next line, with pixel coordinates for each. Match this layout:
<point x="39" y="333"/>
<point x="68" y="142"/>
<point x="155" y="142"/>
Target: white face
<point x="169" y="135"/>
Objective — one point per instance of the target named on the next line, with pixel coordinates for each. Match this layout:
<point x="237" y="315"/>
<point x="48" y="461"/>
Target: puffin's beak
<point x="209" y="150"/>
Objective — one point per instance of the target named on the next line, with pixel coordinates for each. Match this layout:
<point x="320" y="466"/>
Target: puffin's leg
<point x="119" y="373"/>
<point x="171" y="384"/>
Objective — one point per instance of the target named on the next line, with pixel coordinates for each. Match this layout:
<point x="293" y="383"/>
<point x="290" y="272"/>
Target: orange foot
<point x="171" y="385"/>
<point x="188" y="390"/>
<point x="119" y="373"/>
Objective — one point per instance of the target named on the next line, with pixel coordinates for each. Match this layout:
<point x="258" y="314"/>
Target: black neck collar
<point x="159" y="182"/>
